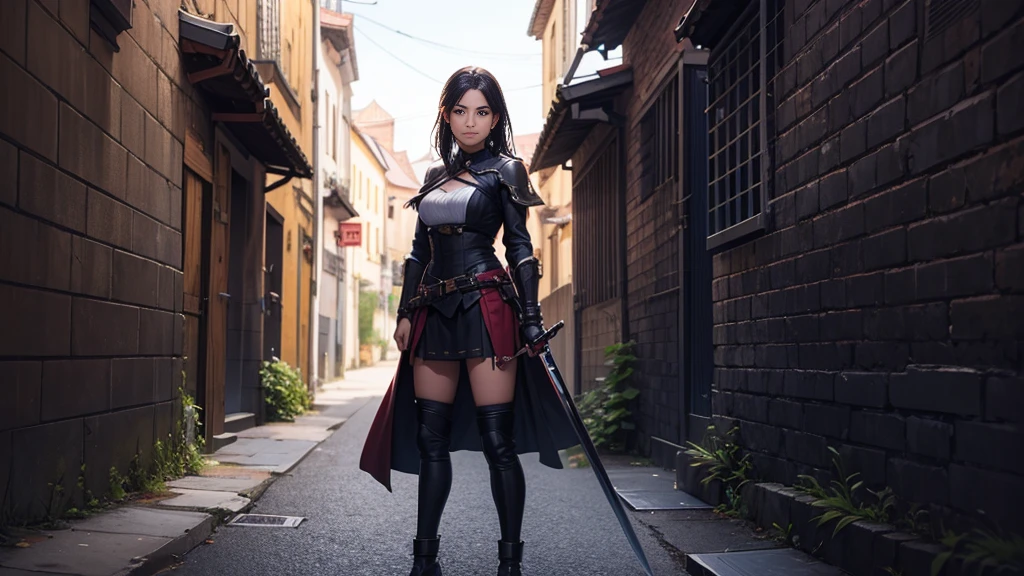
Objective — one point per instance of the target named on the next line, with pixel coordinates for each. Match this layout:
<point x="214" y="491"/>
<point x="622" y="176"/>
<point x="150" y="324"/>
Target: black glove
<point x="412" y="274"/>
<point x="526" y="276"/>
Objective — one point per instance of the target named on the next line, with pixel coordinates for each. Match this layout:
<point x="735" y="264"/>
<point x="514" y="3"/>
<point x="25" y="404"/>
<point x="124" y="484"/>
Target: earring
<point x="490" y="143"/>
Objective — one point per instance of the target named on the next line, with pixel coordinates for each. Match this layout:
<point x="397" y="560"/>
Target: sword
<point x="542" y="349"/>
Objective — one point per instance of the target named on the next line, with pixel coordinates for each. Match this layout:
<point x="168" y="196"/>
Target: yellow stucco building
<point x="553" y="23"/>
<point x="285" y="62"/>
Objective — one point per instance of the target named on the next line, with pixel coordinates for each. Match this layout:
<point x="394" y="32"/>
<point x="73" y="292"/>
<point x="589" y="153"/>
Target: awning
<point x="610" y="23"/>
<point x="237" y="97"/>
<point x="707" y="20"/>
<point x="575" y="111"/>
<point x="337" y="206"/>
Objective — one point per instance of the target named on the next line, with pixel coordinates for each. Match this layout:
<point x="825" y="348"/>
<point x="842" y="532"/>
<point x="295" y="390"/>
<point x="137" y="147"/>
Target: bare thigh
<point x="491" y="385"/>
<point x="435" y="379"/>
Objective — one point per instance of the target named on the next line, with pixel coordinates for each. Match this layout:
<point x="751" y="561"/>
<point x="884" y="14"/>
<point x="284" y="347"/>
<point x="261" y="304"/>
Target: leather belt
<point x="465" y="283"/>
<point x="449" y="229"/>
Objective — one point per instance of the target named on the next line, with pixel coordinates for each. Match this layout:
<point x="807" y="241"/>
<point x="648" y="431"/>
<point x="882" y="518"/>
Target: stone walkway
<point x="144" y="537"/>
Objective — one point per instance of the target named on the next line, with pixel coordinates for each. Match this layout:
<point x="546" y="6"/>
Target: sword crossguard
<point x="536" y="347"/>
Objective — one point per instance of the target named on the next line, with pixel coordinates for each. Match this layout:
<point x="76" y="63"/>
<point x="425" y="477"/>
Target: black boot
<point x="435" y="482"/>
<point x="508" y="485"/>
<point x="425" y="557"/>
<point x="511" y="556"/>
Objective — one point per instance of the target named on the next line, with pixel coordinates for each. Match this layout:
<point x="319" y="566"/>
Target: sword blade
<point x="595" y="461"/>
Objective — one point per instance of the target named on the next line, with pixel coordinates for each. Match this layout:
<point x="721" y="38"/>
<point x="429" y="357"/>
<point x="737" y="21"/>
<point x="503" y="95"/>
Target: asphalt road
<point x="355" y="527"/>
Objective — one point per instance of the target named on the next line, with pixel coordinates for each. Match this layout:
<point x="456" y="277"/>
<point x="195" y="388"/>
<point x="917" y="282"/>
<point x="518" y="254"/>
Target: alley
<point x="355" y="527"/>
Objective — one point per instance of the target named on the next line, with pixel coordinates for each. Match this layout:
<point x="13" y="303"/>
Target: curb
<point x="172" y="551"/>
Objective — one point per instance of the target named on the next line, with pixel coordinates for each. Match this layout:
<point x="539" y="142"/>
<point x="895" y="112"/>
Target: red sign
<point x="350" y="234"/>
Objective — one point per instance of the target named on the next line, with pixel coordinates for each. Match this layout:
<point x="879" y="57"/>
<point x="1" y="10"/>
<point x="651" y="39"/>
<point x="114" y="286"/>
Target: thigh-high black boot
<point x="508" y="485"/>
<point x="435" y="482"/>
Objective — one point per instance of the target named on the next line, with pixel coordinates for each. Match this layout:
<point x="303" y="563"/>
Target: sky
<point x="408" y="81"/>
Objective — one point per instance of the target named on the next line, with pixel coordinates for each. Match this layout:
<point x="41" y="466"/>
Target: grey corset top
<point x="440" y="207"/>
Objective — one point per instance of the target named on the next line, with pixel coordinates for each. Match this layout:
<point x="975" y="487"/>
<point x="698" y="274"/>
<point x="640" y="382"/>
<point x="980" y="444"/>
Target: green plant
<point x="842" y="501"/>
<point x="286" y="395"/>
<point x="985" y="550"/>
<point x="117" y="485"/>
<point x="785" y="534"/>
<point x="723" y="459"/>
<point x="917" y="521"/>
<point x="725" y="462"/>
<point x="605" y="409"/>
<point x="369" y="302"/>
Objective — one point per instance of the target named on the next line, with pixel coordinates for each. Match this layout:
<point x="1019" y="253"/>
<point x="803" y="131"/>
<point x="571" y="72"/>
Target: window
<point x="286" y="60"/>
<point x="552" y="52"/>
<point x="741" y="132"/>
<point x="391" y="212"/>
<point x="659" y="133"/>
<point x="553" y="258"/>
<point x="328" y="127"/>
<point x="596" y="249"/>
<point x="334" y="131"/>
<point x="569" y="36"/>
<point x="269" y="14"/>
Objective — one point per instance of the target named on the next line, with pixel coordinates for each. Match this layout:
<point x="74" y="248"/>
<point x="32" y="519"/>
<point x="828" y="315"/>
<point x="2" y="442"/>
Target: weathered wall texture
<point x="882" y="312"/>
<point x="90" y="225"/>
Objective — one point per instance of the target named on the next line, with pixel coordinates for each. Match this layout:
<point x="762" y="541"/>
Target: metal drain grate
<point x="266" y="521"/>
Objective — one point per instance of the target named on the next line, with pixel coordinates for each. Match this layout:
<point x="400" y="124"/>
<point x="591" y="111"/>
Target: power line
<point x="448" y="47"/>
<point x="420" y="72"/>
<point x="403" y="62"/>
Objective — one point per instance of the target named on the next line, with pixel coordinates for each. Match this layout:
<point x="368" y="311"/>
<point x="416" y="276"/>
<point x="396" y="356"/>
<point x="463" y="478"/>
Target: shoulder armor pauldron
<point x="511" y="174"/>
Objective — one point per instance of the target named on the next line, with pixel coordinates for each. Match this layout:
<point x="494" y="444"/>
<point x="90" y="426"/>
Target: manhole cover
<point x="266" y="521"/>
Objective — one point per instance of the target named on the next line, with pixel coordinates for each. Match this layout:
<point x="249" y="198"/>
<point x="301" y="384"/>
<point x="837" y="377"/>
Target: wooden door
<point x="197" y="224"/>
<point x="217" y="295"/>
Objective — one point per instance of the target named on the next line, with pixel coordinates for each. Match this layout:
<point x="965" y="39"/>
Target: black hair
<point x="462" y="81"/>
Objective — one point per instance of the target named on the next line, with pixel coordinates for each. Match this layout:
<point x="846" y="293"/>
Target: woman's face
<point x="471" y="120"/>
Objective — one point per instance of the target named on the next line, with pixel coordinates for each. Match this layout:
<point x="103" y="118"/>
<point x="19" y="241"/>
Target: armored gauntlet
<point x="411" y="276"/>
<point x="526" y="276"/>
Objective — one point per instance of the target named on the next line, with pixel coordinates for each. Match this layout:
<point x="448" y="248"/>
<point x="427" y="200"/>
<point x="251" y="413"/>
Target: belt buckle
<point x="449" y="285"/>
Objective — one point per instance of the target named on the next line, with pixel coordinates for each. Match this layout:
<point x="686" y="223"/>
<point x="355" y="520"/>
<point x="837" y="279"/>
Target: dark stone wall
<point x="652" y="233"/>
<point x="90" y="248"/>
<point x="881" y="312"/>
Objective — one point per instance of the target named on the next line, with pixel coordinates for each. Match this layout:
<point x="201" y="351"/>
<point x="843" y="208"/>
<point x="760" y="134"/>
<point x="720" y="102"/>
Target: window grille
<point x="741" y="128"/>
<point x="659" y="134"/>
<point x="595" y="198"/>
<point x="269" y="14"/>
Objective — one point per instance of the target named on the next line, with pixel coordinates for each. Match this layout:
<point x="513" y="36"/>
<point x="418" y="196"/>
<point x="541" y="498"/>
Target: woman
<point x="459" y="311"/>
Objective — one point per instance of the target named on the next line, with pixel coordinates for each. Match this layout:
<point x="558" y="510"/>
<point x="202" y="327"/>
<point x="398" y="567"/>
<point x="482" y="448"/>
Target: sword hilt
<point x="536" y="347"/>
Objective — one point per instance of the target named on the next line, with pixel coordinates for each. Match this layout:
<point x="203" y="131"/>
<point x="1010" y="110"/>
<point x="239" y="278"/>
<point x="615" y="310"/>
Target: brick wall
<point x="881" y="313"/>
<point x="90" y="230"/>
<point x="652" y="233"/>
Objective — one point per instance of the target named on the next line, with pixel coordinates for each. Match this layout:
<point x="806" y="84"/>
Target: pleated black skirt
<point x="462" y="336"/>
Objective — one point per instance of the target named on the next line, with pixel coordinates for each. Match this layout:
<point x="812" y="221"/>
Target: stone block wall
<point x="881" y="312"/>
<point x="90" y="245"/>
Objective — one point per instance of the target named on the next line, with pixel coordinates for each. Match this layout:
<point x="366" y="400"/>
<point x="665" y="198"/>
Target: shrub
<point x="369" y="302"/>
<point x="286" y="395"/>
<point x="604" y="410"/>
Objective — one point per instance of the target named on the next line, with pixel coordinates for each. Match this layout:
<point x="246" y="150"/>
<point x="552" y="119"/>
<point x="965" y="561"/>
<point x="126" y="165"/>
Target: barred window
<point x="595" y="244"/>
<point x="269" y="14"/>
<point x="659" y="132"/>
<point x="741" y="129"/>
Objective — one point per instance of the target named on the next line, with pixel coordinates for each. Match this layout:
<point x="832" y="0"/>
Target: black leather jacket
<point x="503" y="193"/>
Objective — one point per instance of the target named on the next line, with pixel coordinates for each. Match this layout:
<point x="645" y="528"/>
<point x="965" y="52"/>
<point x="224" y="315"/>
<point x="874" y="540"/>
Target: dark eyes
<point x="460" y="111"/>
